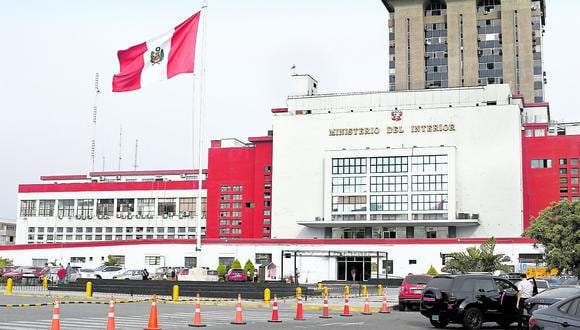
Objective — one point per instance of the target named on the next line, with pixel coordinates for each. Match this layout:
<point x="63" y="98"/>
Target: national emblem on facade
<point x="157" y="55"/>
<point x="396" y="115"/>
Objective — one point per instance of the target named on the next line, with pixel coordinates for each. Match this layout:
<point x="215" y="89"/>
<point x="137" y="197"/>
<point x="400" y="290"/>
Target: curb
<point x="74" y="302"/>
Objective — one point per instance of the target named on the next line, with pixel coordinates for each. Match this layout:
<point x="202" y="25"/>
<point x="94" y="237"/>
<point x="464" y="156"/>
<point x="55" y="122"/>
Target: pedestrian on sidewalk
<point x="61" y="274"/>
<point x="68" y="272"/>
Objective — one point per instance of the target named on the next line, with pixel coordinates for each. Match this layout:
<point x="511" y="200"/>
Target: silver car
<point x="132" y="274"/>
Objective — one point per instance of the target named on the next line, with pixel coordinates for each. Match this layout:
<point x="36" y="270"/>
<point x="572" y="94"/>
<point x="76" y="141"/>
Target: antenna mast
<point x="136" y="149"/>
<point x="94" y="140"/>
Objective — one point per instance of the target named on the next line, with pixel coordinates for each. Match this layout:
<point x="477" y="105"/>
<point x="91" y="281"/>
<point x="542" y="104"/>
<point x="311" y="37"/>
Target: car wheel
<point x="439" y="324"/>
<point x="98" y="277"/>
<point x="472" y="319"/>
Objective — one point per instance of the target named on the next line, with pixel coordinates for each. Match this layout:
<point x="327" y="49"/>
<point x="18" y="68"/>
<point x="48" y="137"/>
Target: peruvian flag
<point x="158" y="59"/>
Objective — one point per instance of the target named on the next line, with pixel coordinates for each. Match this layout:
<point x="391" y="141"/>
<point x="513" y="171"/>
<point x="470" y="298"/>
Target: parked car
<point x="236" y="275"/>
<point x="53" y="277"/>
<point x="411" y="290"/>
<point x="564" y="314"/>
<point x="6" y="269"/>
<point x="470" y="300"/>
<point x="543" y="285"/>
<point x="212" y="276"/>
<point x="108" y="272"/>
<point x="132" y="274"/>
<point x="547" y="298"/>
<point x="24" y="274"/>
<point x="570" y="281"/>
<point x="86" y="273"/>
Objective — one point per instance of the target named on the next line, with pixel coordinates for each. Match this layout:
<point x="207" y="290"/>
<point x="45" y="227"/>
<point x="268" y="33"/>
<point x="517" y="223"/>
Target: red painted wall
<point x="542" y="185"/>
<point x="239" y="166"/>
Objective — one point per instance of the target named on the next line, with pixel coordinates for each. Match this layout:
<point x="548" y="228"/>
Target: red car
<point x="30" y="274"/>
<point x="236" y="275"/>
<point x="411" y="290"/>
<point x="7" y="269"/>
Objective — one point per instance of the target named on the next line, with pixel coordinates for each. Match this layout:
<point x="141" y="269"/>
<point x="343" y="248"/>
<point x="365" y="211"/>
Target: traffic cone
<point x="55" y="315"/>
<point x="346" y="310"/>
<point x="299" y="309"/>
<point x="239" y="319"/>
<point x="111" y="316"/>
<point x="275" y="311"/>
<point x="325" y="313"/>
<point x="385" y="307"/>
<point x="197" y="315"/>
<point x="367" y="308"/>
<point x="153" y="325"/>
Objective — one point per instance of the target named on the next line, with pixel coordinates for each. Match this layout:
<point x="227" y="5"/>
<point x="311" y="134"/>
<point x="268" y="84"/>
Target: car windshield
<point x="100" y="268"/>
<point x="542" y="284"/>
<point x="212" y="272"/>
<point x="442" y="283"/>
<point x="86" y="270"/>
<point x="559" y="293"/>
<point x="417" y="279"/>
<point x="570" y="281"/>
<point x="236" y="270"/>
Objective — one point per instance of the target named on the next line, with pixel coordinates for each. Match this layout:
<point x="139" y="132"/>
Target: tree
<point x="236" y="264"/>
<point x="475" y="259"/>
<point x="432" y="271"/>
<point x="249" y="267"/>
<point x="557" y="230"/>
<point x="5" y="262"/>
<point x="221" y="270"/>
<point x="111" y="261"/>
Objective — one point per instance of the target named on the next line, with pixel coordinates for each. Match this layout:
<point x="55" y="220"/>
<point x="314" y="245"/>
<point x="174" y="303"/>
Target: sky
<point x="52" y="50"/>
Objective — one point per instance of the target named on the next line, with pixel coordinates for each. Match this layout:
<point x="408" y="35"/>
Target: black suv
<point x="469" y="300"/>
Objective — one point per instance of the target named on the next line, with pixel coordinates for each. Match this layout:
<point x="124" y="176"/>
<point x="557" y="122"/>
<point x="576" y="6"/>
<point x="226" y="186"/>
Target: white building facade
<point x="7" y="231"/>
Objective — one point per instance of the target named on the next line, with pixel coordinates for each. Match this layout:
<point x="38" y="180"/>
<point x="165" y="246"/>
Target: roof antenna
<point x="136" y="149"/>
<point x="293" y="68"/>
<point x="120" y="145"/>
<point x="94" y="140"/>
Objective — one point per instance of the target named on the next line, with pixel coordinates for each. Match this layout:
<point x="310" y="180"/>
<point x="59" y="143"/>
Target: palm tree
<point x="474" y="259"/>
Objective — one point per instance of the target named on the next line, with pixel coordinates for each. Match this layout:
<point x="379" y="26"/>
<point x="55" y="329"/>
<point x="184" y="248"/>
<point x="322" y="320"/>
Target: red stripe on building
<point x="109" y="186"/>
<point x="63" y="177"/>
<point x="145" y="173"/>
<point x="291" y="242"/>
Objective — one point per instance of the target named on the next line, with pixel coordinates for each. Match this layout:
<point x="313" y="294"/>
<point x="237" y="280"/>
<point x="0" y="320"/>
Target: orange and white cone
<point x="275" y="318"/>
<point x="299" y="309"/>
<point x="197" y="316"/>
<point x="111" y="315"/>
<point x="367" y="308"/>
<point x="346" y="310"/>
<point x="55" y="325"/>
<point x="153" y="324"/>
<point x="239" y="318"/>
<point x="385" y="307"/>
<point x="325" y="312"/>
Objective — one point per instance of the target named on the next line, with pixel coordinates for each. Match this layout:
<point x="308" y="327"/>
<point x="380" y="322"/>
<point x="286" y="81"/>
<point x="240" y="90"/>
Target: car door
<point x="570" y="318"/>
<point x="507" y="297"/>
<point x="487" y="296"/>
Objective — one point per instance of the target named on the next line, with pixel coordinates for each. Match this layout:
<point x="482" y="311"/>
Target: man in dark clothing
<point x="145" y="274"/>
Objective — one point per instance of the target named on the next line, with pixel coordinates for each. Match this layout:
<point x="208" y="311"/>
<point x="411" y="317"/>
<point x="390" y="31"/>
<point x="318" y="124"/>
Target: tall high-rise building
<point x="459" y="43"/>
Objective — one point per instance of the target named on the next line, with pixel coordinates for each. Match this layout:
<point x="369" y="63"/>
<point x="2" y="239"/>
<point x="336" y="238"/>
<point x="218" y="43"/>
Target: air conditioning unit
<point x="462" y="215"/>
<point x="475" y="216"/>
<point x="60" y="217"/>
<point x="78" y="216"/>
<point x="164" y="215"/>
<point x="170" y="214"/>
<point x="149" y="216"/>
<point x="123" y="216"/>
<point x="107" y="217"/>
<point x="84" y="217"/>
<point x="138" y="216"/>
<point x="118" y="216"/>
<point x="318" y="219"/>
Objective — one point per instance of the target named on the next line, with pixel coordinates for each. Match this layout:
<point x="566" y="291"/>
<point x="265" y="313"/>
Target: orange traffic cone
<point x="197" y="315"/>
<point x="385" y="307"/>
<point x="325" y="313"/>
<point x="153" y="325"/>
<point x="111" y="316"/>
<point x="55" y="315"/>
<point x="239" y="319"/>
<point x="299" y="309"/>
<point x="367" y="308"/>
<point x="275" y="311"/>
<point x="346" y="310"/>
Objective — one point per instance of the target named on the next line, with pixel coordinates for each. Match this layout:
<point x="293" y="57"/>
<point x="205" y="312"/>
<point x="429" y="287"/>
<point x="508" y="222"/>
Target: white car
<point x="108" y="272"/>
<point x="86" y="273"/>
<point x="133" y="274"/>
<point x="53" y="277"/>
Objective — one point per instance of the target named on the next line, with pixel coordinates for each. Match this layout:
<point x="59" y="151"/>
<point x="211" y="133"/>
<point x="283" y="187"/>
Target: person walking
<point x="68" y="272"/>
<point x="525" y="291"/>
<point x="61" y="274"/>
<point x="145" y="274"/>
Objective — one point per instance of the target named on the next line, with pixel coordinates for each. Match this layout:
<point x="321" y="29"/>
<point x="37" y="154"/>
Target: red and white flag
<point x="158" y="59"/>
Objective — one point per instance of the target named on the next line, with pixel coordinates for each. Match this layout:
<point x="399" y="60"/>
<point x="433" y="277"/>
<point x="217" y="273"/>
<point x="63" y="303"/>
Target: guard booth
<point x="352" y="266"/>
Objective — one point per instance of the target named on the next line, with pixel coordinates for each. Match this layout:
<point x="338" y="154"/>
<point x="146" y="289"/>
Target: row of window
<point x="547" y="163"/>
<point x="393" y="232"/>
<point x="112" y="229"/>
<point x="146" y="207"/>
<point x="392" y="164"/>
<point x="434" y="182"/>
<point x="427" y="202"/>
<point x="50" y="238"/>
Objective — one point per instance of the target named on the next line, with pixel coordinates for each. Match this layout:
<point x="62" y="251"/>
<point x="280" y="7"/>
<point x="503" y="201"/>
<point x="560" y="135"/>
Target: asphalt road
<point x="177" y="316"/>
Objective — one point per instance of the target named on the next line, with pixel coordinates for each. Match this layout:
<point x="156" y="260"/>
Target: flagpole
<point x="200" y="130"/>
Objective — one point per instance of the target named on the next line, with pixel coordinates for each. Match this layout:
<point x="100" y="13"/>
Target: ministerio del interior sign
<point x="391" y="130"/>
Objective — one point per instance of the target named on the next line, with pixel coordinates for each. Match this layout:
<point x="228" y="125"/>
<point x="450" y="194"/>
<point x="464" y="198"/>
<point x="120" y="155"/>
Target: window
<point x="267" y="212"/>
<point x="389" y="203"/>
<point x="563" y="171"/>
<point x="237" y="197"/>
<point x="541" y="163"/>
<point x="574" y="180"/>
<point x="236" y="213"/>
<point x="125" y="205"/>
<point x="564" y="190"/>
<point x="190" y="262"/>
<point x="224" y="214"/>
<point x="573" y="171"/>
<point x="412" y="261"/>
<point x="563" y="161"/>
<point x="105" y="207"/>
<point x="225" y="205"/>
<point x="236" y="230"/>
<point x="85" y="207"/>
<point x="410" y="232"/>
<point x="563" y="180"/>
<point x="238" y="188"/>
<point x="46" y="208"/>
<point x="146" y="206"/>
<point x="429" y="202"/>
<point x="389" y="183"/>
<point x="237" y="205"/>
<point x="574" y="161"/>
<point x="66" y="207"/>
<point x="431" y="232"/>
<point x="120" y="260"/>
<point x="267" y="203"/>
<point x="225" y="188"/>
<point x="69" y="229"/>
<point x="349" y="165"/>
<point x="186" y="206"/>
<point x="422" y="164"/>
<point x="153" y="260"/>
<point x="160" y="229"/>
<point x="171" y="230"/>
<point x="349" y="203"/>
<point x="267" y="168"/>
<point x="225" y="197"/>
<point x="389" y="164"/>
<point x="166" y="206"/>
<point x="438" y="182"/>
<point x="539" y="132"/>
<point x="27" y="208"/>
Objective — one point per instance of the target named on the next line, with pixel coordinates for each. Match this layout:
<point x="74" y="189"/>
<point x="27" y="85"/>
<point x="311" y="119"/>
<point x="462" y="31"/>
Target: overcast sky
<point x="52" y="50"/>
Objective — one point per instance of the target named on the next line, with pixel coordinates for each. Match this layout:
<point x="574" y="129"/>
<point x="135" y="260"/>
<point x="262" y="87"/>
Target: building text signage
<point x="391" y="130"/>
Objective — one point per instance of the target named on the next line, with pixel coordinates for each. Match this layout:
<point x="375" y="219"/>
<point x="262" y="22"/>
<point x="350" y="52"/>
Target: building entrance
<point x="353" y="268"/>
